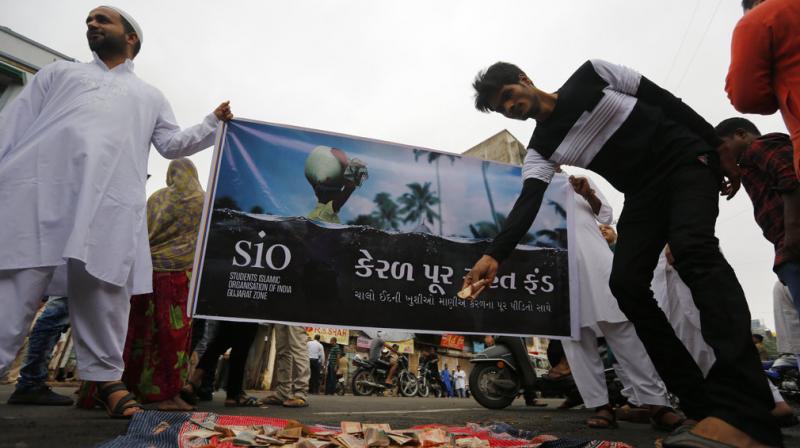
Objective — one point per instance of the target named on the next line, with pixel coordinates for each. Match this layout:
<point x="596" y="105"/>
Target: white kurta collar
<point x="127" y="65"/>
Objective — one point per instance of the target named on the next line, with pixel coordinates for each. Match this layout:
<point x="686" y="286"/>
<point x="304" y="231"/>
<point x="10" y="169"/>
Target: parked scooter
<point x="499" y="377"/>
<point x="784" y="374"/>
<point x="371" y="376"/>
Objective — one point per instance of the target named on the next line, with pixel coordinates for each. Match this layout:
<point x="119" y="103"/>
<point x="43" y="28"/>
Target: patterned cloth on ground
<point x="155" y="429"/>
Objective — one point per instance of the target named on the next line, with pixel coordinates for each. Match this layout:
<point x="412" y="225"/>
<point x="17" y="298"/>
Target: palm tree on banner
<point x="387" y="214"/>
<point x="433" y="157"/>
<point x="484" y="168"/>
<point x="417" y="203"/>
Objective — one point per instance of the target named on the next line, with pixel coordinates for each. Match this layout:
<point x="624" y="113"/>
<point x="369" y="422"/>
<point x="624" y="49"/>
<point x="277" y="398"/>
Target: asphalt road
<point x="67" y="427"/>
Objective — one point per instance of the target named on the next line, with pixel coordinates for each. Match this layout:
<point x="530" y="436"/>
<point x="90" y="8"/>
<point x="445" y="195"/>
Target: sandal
<point x="244" y="401"/>
<point x="632" y="413"/>
<point x="188" y="393"/>
<point x="103" y="393"/>
<point x="600" y="421"/>
<point x="656" y="420"/>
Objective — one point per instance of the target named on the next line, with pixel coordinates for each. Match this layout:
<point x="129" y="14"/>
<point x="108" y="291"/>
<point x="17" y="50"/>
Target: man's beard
<point x="109" y="45"/>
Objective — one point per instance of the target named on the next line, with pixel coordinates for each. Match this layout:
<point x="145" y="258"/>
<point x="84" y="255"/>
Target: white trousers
<point x="588" y="372"/>
<point x="98" y="316"/>
<point x="787" y="321"/>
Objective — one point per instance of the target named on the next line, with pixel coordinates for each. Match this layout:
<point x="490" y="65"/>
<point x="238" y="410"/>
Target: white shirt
<point x="316" y="351"/>
<point x="460" y="377"/>
<point x="73" y="164"/>
<point x="593" y="258"/>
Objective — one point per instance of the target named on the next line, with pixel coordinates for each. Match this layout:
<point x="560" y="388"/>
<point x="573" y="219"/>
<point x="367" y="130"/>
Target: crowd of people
<point x="670" y="163"/>
<point x="661" y="294"/>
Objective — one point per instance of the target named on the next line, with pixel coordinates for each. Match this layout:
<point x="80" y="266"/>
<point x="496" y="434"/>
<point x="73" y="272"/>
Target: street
<point x="67" y="427"/>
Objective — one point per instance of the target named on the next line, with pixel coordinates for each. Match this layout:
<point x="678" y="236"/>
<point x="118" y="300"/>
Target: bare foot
<point x="719" y="430"/>
<point x="781" y="409"/>
<point x="174" y="404"/>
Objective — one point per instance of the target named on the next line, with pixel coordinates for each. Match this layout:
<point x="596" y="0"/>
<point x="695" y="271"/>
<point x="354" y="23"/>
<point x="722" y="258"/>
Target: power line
<point x="699" y="44"/>
<point x="683" y="40"/>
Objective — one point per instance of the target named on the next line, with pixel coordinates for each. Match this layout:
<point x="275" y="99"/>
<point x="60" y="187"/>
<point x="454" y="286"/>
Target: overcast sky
<point x="401" y="70"/>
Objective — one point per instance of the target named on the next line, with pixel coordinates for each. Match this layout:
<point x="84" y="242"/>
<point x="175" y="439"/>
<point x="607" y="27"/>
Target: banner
<point x="325" y="334"/>
<point x="320" y="229"/>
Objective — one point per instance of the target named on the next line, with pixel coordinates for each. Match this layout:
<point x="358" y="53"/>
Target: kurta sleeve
<point x="749" y="80"/>
<point x="18" y="117"/>
<point x="606" y="213"/>
<point x="174" y="143"/>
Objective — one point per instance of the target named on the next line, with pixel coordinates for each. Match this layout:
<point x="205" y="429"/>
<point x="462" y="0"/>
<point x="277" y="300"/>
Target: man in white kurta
<point x="73" y="163"/>
<point x="600" y="316"/>
<point x="675" y="299"/>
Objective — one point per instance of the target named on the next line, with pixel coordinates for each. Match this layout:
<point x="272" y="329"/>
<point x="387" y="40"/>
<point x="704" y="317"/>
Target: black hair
<point x="316" y="337"/>
<point x="129" y="29"/>
<point x="758" y="337"/>
<point x="490" y="81"/>
<point x="726" y="128"/>
<point x="748" y="4"/>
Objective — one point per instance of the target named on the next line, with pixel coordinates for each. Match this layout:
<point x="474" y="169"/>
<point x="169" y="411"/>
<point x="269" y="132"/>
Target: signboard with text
<point x="326" y="230"/>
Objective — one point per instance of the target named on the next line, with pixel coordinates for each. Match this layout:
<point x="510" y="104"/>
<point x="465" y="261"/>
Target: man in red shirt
<point x="769" y="179"/>
<point x="764" y="75"/>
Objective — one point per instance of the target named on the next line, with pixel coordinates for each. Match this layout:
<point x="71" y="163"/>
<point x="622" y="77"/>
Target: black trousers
<point x="681" y="209"/>
<point x="313" y="383"/>
<point x="238" y="336"/>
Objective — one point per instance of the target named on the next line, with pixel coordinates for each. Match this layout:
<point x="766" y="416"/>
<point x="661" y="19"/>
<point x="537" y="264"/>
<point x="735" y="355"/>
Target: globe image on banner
<point x="325" y="167"/>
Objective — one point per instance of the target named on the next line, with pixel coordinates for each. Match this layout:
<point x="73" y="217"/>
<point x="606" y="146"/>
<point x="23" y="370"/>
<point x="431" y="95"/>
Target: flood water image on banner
<point x="317" y="228"/>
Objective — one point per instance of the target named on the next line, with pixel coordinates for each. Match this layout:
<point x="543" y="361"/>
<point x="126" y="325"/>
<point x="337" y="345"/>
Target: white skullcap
<point x="130" y="19"/>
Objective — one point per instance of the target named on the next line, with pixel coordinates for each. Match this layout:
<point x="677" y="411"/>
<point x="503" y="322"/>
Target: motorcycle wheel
<point x="437" y="391"/>
<point x="407" y="383"/>
<point x="422" y="388"/>
<point x="360" y="383"/>
<point x="485" y="392"/>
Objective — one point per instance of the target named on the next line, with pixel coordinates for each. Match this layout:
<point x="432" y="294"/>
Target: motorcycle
<point x="371" y="376"/>
<point x="497" y="377"/>
<point x="784" y="375"/>
<point x="428" y="382"/>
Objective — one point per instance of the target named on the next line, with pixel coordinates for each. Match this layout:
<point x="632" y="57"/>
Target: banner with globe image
<point x="321" y="229"/>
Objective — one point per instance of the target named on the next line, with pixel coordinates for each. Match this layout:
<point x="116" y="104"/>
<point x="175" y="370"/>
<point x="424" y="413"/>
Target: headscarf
<point x="173" y="218"/>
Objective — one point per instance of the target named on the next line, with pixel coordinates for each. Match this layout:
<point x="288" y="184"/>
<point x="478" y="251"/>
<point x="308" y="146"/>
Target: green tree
<point x="257" y="210"/>
<point x="486" y="229"/>
<point x="387" y="213"/>
<point x="417" y="203"/>
<point x="433" y="157"/>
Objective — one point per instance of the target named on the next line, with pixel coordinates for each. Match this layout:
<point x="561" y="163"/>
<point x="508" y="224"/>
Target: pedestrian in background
<point x="316" y="360"/>
<point x="31" y="386"/>
<point x="460" y="378"/>
<point x="333" y="364"/>
<point x="292" y="370"/>
<point x="158" y="346"/>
